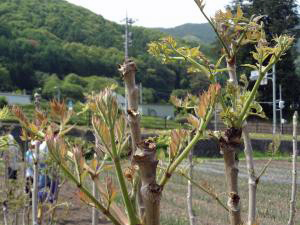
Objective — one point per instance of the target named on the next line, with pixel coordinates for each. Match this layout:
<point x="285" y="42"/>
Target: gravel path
<point x="277" y="172"/>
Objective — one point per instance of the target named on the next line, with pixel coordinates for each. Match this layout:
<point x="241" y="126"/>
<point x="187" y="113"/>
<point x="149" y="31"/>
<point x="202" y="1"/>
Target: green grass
<point x="172" y="220"/>
<point x="151" y="122"/>
<point x="83" y="119"/>
<point x="265" y="155"/>
<point x="284" y="137"/>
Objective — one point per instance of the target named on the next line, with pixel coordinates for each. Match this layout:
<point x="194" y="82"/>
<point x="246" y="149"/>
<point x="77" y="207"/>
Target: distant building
<point x="13" y="98"/>
<point x="157" y="110"/>
<point x="120" y="101"/>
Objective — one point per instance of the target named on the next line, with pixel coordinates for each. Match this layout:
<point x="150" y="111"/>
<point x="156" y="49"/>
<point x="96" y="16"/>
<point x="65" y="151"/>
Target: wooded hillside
<point x="42" y="41"/>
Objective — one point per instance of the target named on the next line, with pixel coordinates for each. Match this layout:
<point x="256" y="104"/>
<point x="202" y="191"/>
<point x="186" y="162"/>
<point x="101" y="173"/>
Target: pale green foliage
<point x="3" y="143"/>
<point x="264" y="51"/>
<point x="107" y="121"/>
<point x="233" y="31"/>
<point x="4" y="113"/>
<point x="167" y="51"/>
<point x="201" y="105"/>
<point x="234" y="101"/>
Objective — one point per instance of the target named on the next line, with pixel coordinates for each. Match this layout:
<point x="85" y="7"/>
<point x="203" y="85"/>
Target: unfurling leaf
<point x="41" y="117"/>
<point x="129" y="173"/>
<point x="257" y="110"/>
<point x="111" y="190"/>
<point x="178" y="137"/>
<point x="274" y="145"/>
<point x="244" y="81"/>
<point x="78" y="159"/>
<point x="239" y="12"/>
<point x="24" y="136"/>
<point x="193" y="121"/>
<point x="17" y="111"/>
<point x="176" y="101"/>
<point x="58" y="109"/>
<point x="200" y="4"/>
<point x="33" y="128"/>
<point x="94" y="164"/>
<point x="228" y="14"/>
<point x="102" y="131"/>
<point x="250" y="66"/>
<point x="207" y="100"/>
<point x="83" y="197"/>
<point x="188" y="102"/>
<point x="4" y="113"/>
<point x="161" y="154"/>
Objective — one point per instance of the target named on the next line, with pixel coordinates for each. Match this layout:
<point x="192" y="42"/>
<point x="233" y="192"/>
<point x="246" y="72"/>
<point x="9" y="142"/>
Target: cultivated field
<point x="273" y="197"/>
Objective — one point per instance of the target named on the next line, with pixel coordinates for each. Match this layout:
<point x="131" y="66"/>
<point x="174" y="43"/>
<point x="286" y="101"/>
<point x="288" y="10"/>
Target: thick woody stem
<point x="294" y="172"/>
<point x="5" y="214"/>
<point x="95" y="213"/>
<point x="35" y="185"/>
<point x="189" y="196"/>
<point x="36" y="169"/>
<point x="145" y="158"/>
<point x="232" y="70"/>
<point x="229" y="144"/>
<point x="252" y="179"/>
<point x="128" y="70"/>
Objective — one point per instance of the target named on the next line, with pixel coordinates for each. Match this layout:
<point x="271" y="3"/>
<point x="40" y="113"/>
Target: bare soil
<point x="273" y="196"/>
<point x="78" y="212"/>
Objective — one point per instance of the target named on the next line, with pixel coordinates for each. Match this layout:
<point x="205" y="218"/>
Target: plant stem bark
<point x="145" y="157"/>
<point x="252" y="180"/>
<point x="5" y="213"/>
<point x="95" y="213"/>
<point x="294" y="172"/>
<point x="229" y="146"/>
<point x="35" y="184"/>
<point x="231" y="172"/>
<point x="128" y="70"/>
<point x="232" y="70"/>
<point x="189" y="196"/>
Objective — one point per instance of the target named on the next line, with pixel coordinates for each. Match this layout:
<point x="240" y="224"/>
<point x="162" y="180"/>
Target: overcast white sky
<point x="152" y="13"/>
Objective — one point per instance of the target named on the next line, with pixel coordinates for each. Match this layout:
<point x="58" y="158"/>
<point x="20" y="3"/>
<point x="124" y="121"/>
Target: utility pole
<point x="128" y="35"/>
<point x="141" y="93"/>
<point x="274" y="97"/>
<point x="127" y="43"/>
<point x="254" y="76"/>
<point x="280" y="108"/>
<point x="126" y="39"/>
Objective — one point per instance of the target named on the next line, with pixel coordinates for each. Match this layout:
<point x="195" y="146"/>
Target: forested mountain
<point x="43" y="41"/>
<point x="192" y="32"/>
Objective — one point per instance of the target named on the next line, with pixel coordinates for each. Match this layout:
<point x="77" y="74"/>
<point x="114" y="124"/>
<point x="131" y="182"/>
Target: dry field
<point x="273" y="197"/>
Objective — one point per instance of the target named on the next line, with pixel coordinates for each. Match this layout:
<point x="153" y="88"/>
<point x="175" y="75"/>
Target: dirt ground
<point x="276" y="181"/>
<point x="272" y="206"/>
<point x="78" y="212"/>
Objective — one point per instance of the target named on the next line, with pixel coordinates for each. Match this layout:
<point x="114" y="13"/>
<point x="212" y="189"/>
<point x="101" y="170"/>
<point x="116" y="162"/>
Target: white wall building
<point x="157" y="110"/>
<point x="12" y="98"/>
